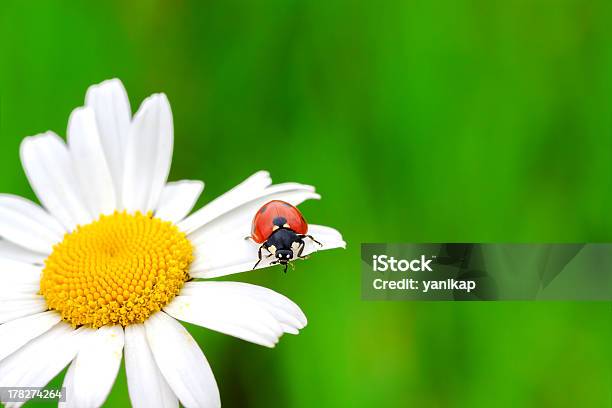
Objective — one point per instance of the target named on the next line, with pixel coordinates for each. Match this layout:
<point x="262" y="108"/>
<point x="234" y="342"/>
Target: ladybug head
<point x="284" y="256"/>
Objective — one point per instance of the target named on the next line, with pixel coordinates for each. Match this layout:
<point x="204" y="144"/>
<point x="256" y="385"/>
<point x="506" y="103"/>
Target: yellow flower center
<point x="117" y="270"/>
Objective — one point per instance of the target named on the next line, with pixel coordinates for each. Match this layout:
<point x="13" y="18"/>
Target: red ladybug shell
<point x="263" y="222"/>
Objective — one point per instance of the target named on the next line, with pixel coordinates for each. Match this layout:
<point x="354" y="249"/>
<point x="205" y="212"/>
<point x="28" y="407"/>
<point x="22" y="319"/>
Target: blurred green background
<point x="417" y="121"/>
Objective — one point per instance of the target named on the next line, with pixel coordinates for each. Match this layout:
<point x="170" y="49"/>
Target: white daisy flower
<point x="105" y="265"/>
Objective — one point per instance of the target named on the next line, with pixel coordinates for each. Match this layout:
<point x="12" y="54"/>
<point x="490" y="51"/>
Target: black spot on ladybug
<point x="279" y="221"/>
<point x="263" y="209"/>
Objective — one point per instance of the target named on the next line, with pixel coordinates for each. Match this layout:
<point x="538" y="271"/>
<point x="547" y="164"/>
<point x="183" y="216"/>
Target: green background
<point x="417" y="121"/>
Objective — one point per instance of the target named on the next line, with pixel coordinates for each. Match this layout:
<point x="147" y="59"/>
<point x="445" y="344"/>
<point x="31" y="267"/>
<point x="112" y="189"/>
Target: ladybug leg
<point x="299" y="253"/>
<point x="259" y="254"/>
<point x="310" y="236"/>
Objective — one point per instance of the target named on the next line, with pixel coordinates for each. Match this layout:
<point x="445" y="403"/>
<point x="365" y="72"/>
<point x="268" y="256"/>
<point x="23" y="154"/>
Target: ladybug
<point x="277" y="226"/>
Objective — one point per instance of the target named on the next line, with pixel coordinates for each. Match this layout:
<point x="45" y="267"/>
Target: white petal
<point x="10" y="250"/>
<point x="181" y="362"/>
<point x="234" y="216"/>
<point x="28" y="225"/>
<point x="18" y="279"/>
<point x="13" y="290"/>
<point x="41" y="359"/>
<point x="233" y="254"/>
<point x="258" y="326"/>
<point x="177" y="199"/>
<point x="252" y="313"/>
<point x="95" y="367"/>
<point x="148" y="388"/>
<point x="68" y="381"/>
<point x="49" y="168"/>
<point x="91" y="168"/>
<point x="19" y="271"/>
<point x="113" y="114"/>
<point x="15" y="308"/>
<point x="148" y="154"/>
<point x="329" y="237"/>
<point x="240" y="194"/>
<point x="239" y="219"/>
<point x="16" y="289"/>
<point x="16" y="333"/>
<point x="283" y="308"/>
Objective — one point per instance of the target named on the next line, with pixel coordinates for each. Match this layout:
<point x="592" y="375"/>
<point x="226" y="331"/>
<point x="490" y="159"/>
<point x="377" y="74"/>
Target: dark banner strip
<point x="486" y="271"/>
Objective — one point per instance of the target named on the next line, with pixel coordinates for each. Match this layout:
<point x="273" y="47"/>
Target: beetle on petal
<point x="278" y="226"/>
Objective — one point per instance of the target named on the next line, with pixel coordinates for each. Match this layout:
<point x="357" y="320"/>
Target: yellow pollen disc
<point x="117" y="270"/>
